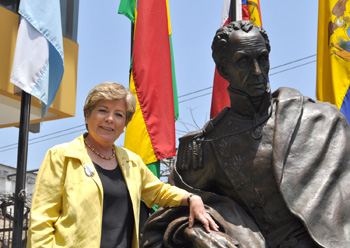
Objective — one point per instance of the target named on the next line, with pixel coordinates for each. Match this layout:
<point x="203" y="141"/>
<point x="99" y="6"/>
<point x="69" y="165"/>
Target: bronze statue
<point x="273" y="169"/>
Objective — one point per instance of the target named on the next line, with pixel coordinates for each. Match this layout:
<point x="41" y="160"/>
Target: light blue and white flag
<point x="38" y="62"/>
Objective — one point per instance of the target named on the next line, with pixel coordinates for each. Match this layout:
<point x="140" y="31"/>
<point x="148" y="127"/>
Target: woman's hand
<point x="197" y="211"/>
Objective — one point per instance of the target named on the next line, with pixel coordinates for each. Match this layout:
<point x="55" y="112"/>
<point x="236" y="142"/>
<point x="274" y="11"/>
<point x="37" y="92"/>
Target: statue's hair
<point x="220" y="48"/>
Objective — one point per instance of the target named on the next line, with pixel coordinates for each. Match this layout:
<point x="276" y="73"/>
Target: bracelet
<point x="188" y="198"/>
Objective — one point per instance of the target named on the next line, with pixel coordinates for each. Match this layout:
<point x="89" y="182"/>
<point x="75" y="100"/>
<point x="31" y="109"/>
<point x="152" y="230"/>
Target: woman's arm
<point x="197" y="211"/>
<point x="157" y="192"/>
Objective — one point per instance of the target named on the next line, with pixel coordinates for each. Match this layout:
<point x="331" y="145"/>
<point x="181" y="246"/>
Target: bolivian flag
<point x="333" y="54"/>
<point x="151" y="133"/>
<point x="245" y="10"/>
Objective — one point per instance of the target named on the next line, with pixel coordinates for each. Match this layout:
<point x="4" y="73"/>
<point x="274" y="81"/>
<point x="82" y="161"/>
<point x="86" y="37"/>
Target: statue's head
<point x="241" y="54"/>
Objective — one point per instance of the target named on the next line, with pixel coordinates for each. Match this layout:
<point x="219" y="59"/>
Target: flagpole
<point x="233" y="10"/>
<point x="20" y="194"/>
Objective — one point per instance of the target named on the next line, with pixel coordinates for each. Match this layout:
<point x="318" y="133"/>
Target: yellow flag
<point x="333" y="54"/>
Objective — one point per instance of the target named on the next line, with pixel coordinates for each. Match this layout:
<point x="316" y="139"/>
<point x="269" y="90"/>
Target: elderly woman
<point x="88" y="191"/>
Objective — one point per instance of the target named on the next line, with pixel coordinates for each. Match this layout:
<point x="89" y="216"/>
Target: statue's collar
<point x="243" y="105"/>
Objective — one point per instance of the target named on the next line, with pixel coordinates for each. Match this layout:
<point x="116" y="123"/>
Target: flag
<point x="333" y="54"/>
<point x="127" y="8"/>
<point x="151" y="132"/>
<point x="38" y="62"/>
<point x="245" y="10"/>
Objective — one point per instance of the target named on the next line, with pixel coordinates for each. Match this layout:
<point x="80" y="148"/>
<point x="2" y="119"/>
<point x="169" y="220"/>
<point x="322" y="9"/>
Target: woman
<point x="88" y="191"/>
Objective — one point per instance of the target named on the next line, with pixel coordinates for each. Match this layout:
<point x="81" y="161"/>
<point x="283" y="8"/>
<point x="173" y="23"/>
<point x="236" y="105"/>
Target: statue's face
<point x="248" y="63"/>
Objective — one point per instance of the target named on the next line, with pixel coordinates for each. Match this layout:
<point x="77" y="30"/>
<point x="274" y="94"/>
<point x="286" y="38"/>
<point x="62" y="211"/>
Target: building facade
<point x="8" y="181"/>
<point x="10" y="96"/>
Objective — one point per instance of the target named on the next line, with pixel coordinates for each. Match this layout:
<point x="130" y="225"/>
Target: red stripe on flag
<point x="152" y="75"/>
<point x="220" y="98"/>
<point x="227" y="21"/>
<point x="260" y="12"/>
<point x="245" y="12"/>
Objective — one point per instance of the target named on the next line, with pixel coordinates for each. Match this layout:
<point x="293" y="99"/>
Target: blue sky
<point x="104" y="55"/>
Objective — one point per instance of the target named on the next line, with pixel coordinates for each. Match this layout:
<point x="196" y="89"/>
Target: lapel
<point x="125" y="163"/>
<point x="76" y="149"/>
<point x="128" y="170"/>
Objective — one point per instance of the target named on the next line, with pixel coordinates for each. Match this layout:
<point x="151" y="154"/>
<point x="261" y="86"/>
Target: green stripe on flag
<point x="127" y="8"/>
<point x="155" y="168"/>
<point x="176" y="101"/>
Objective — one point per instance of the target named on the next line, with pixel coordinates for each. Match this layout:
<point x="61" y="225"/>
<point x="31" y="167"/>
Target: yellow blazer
<point x="67" y="203"/>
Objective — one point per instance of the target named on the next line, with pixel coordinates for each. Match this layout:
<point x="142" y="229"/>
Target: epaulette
<point x="190" y="151"/>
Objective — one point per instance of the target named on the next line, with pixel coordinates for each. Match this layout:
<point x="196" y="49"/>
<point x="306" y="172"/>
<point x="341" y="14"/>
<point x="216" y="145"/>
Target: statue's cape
<point x="311" y="162"/>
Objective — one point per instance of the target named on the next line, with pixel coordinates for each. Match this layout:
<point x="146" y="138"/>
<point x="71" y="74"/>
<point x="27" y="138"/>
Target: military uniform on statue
<point x="273" y="169"/>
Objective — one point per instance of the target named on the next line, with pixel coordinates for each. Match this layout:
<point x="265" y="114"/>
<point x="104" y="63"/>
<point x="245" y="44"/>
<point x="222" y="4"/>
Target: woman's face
<point x="106" y="121"/>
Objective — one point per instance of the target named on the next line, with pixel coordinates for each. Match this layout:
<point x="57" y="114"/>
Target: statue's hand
<point x="199" y="238"/>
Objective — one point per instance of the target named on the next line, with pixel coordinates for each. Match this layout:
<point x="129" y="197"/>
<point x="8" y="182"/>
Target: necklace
<point x="100" y="155"/>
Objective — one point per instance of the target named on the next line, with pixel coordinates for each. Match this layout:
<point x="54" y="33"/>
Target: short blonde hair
<point x="110" y="91"/>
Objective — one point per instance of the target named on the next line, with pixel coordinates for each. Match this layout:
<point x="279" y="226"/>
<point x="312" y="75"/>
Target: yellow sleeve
<point x="46" y="201"/>
<point x="154" y="191"/>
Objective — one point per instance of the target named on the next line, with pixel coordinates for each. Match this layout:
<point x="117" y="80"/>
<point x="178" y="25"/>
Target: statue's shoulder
<point x="315" y="107"/>
<point x="206" y="130"/>
<point x="294" y="107"/>
<point x="287" y="94"/>
<point x="190" y="150"/>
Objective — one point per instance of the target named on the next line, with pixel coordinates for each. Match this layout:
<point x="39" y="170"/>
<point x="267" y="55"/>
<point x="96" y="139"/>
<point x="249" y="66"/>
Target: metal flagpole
<point x="20" y="194"/>
<point x="233" y="10"/>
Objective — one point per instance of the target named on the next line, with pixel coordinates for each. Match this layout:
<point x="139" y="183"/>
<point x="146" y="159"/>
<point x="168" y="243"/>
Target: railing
<point x="6" y="225"/>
